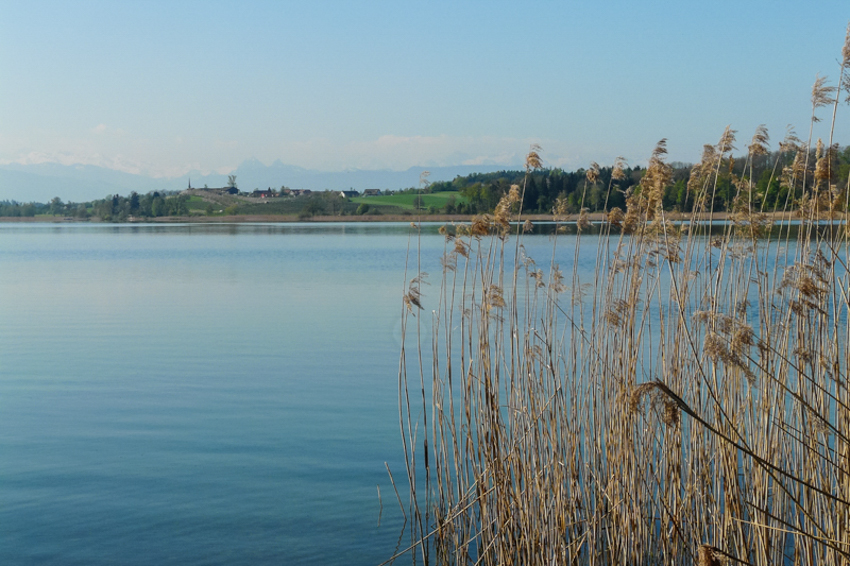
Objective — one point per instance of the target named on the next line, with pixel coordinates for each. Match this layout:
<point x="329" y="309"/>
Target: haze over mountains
<point x="81" y="183"/>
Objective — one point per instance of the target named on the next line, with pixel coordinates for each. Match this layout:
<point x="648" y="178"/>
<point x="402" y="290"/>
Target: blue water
<point x="205" y="394"/>
<point x="200" y="394"/>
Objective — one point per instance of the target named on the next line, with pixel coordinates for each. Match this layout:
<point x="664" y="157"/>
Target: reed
<point x="685" y="402"/>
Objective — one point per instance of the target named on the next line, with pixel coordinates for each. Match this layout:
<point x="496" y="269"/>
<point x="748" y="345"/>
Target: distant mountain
<point x="71" y="183"/>
<point x="79" y="183"/>
<point x="253" y="174"/>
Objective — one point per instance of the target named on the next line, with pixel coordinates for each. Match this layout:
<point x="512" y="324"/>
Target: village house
<point x="372" y="193"/>
<point x="349" y="194"/>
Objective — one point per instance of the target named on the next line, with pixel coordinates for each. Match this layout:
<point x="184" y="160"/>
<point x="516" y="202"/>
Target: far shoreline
<point x="367" y="218"/>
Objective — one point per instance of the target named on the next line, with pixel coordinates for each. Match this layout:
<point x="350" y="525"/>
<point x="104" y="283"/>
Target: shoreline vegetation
<point x="594" y="218"/>
<point x="682" y="400"/>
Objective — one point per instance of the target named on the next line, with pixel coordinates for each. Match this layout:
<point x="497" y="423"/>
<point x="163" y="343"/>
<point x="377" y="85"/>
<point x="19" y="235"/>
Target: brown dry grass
<point x="685" y="402"/>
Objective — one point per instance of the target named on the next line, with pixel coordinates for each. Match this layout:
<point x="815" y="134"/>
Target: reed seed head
<point x="727" y="141"/>
<point x="532" y="160"/>
<point x="658" y="176"/>
<point x="616" y="217"/>
<point x="592" y="173"/>
<point x="759" y="144"/>
<point x="414" y="292"/>
<point x="480" y="225"/>
<point x="513" y="194"/>
<point x="495" y="298"/>
<point x="792" y="142"/>
<point x="461" y="248"/>
<point x="618" y="173"/>
<point x="706" y="556"/>
<point x="821" y="93"/>
<point x="561" y="208"/>
<point x="845" y="50"/>
<point x="557" y="280"/>
<point x="660" y="398"/>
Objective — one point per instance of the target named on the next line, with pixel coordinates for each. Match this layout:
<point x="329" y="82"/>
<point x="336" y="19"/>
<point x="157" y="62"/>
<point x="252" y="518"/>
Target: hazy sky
<point x="162" y="88"/>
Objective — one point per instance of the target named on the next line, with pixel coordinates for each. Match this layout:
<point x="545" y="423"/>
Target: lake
<point x="200" y="394"/>
<point x="204" y="394"/>
<point x="211" y="393"/>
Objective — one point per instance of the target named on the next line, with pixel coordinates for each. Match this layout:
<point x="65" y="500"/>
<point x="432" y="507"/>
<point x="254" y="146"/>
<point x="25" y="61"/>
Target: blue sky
<point x="164" y="88"/>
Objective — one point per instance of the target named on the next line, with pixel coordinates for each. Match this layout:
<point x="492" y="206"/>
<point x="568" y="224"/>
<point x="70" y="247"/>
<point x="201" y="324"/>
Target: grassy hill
<point x="406" y="201"/>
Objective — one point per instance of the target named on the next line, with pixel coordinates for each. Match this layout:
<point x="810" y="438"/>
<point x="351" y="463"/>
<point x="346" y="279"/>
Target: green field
<point x="329" y="204"/>
<point x="405" y="200"/>
<point x="197" y="205"/>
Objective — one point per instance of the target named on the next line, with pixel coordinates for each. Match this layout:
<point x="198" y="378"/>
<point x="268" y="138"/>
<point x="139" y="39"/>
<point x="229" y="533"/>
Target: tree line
<point x="607" y="187"/>
<point x="154" y="204"/>
<point x="115" y="208"/>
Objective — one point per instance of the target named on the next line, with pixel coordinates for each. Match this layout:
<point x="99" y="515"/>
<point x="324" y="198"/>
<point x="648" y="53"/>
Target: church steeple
<point x="190" y="182"/>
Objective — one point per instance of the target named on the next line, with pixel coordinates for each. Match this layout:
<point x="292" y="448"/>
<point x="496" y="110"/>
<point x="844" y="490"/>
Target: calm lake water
<point x="207" y="394"/>
<point x="203" y="394"/>
<point x="200" y="394"/>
